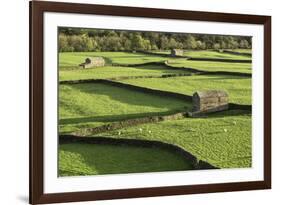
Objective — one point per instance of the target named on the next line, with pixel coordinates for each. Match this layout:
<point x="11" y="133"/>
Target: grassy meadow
<point x="213" y="66"/>
<point x="97" y="104"/>
<point x="92" y="159"/>
<point x="213" y="54"/>
<point x="239" y="88"/>
<point x="221" y="139"/>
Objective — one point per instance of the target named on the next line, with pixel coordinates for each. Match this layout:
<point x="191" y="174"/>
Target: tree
<point x="87" y="44"/>
<point x="63" y="44"/>
<point x="190" y="42"/>
<point x="75" y="39"/>
<point x="154" y="47"/>
<point x="200" y="45"/>
<point x="223" y="45"/>
<point x="244" y="44"/>
<point x="146" y="44"/>
<point x="164" y="43"/>
<point x="112" y="43"/>
<point x="217" y="46"/>
<point x="138" y="42"/>
<point x="76" y="42"/>
<point x="172" y="43"/>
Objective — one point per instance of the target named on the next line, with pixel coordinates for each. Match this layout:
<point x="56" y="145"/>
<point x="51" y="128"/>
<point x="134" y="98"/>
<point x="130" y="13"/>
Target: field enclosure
<point x="146" y="96"/>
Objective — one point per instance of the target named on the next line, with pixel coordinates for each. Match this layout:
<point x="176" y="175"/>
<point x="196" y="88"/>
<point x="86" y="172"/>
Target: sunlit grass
<point x="222" y="140"/>
<point x="116" y="71"/>
<point x="238" y="88"/>
<point x="93" y="104"/>
<point x="213" y="66"/>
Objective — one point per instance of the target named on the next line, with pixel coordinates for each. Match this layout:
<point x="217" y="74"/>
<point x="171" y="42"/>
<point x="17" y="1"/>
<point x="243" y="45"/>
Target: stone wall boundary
<point x="192" y="70"/>
<point x="132" y="87"/>
<point x="220" y="60"/>
<point x="195" y="162"/>
<point x="237" y="53"/>
<point x="129" y="123"/>
<point x="203" y="59"/>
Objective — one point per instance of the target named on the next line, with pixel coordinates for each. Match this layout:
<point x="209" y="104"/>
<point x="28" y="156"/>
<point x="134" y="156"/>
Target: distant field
<point x="72" y="60"/>
<point x="213" y="66"/>
<point x="116" y="71"/>
<point x="90" y="105"/>
<point x="239" y="88"/>
<point x="92" y="159"/>
<point x="215" y="55"/>
<point x="212" y="54"/>
<point x="242" y="50"/>
<point x="69" y="69"/>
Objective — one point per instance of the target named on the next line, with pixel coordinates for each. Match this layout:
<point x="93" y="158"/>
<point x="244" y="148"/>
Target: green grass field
<point x="212" y="54"/>
<point x="72" y="60"/>
<point x="239" y="88"/>
<point x="242" y="50"/>
<point x="213" y="66"/>
<point x="116" y="71"/>
<point x="91" y="105"/>
<point x="221" y="139"/>
<point x="92" y="159"/>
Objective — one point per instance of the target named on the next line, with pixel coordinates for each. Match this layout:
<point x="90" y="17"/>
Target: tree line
<point x="80" y="40"/>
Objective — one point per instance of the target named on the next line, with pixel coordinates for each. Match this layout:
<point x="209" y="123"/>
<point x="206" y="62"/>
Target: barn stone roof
<point x="211" y="93"/>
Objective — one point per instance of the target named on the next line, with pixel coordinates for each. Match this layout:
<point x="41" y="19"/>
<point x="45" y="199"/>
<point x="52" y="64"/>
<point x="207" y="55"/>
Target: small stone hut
<point x="210" y="101"/>
<point x="93" y="62"/>
<point x="176" y="52"/>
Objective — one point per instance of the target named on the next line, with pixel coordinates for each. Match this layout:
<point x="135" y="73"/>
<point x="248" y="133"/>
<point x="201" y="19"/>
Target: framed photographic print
<point x="138" y="102"/>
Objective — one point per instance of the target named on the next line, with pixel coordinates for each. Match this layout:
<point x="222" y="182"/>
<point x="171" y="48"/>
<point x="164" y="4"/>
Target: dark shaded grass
<point x="91" y="159"/>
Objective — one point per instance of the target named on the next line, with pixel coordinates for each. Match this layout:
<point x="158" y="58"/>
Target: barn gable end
<point x="93" y="62"/>
<point x="210" y="101"/>
<point x="176" y="52"/>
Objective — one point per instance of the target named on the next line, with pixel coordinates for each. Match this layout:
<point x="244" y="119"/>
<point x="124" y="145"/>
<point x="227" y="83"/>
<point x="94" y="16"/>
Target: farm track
<point x="196" y="164"/>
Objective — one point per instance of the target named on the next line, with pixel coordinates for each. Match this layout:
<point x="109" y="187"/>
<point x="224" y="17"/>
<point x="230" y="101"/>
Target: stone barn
<point x="210" y="101"/>
<point x="176" y="52"/>
<point x="93" y="62"/>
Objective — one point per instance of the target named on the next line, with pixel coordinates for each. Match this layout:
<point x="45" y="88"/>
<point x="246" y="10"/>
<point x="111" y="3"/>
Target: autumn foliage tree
<point x="80" y="40"/>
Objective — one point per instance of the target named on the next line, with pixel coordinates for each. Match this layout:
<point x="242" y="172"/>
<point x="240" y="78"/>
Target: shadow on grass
<point x="130" y="97"/>
<point x="165" y="69"/>
<point x="91" y="159"/>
